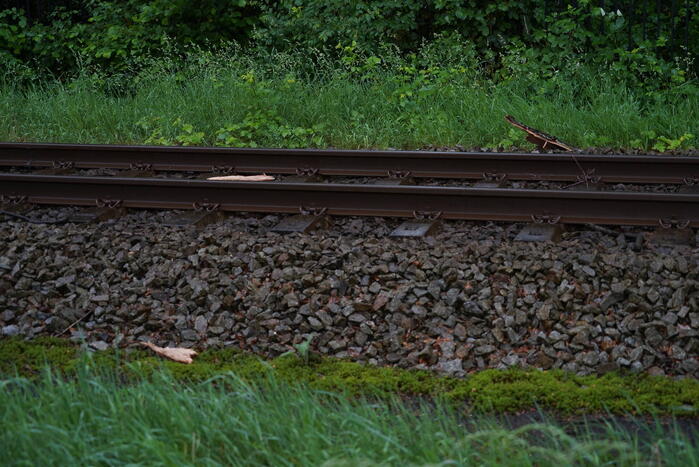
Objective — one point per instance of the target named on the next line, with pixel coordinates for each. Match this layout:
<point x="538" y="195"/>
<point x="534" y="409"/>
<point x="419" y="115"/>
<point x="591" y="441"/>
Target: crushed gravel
<point x="468" y="298"/>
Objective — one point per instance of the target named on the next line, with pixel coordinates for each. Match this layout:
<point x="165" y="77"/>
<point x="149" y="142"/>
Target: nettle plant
<point x="265" y="127"/>
<point x="514" y="139"/>
<point x="661" y="143"/>
<point x="258" y="128"/>
<point x="186" y="136"/>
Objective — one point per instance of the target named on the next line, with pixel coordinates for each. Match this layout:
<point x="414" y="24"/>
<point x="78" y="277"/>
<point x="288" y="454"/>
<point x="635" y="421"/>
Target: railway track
<point x="489" y="203"/>
<point x="419" y="164"/>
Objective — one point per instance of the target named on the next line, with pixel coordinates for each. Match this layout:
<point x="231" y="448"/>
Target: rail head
<point x="352" y="199"/>
<point x="422" y="164"/>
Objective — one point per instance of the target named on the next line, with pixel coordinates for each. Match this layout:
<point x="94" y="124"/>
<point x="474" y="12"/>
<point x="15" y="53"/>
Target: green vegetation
<point x="366" y="74"/>
<point x="332" y="73"/>
<point x="245" y="415"/>
<point x="486" y="391"/>
<point x="437" y="97"/>
<point x="114" y="34"/>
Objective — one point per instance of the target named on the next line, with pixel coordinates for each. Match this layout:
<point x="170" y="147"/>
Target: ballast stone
<point x="10" y="330"/>
<point x="363" y="297"/>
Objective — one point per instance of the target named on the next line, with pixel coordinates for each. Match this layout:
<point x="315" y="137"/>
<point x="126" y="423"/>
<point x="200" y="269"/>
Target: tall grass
<point x="390" y="105"/>
<point x="94" y="419"/>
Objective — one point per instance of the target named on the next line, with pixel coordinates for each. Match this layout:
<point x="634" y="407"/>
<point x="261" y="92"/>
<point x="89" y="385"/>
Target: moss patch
<point x="486" y="391"/>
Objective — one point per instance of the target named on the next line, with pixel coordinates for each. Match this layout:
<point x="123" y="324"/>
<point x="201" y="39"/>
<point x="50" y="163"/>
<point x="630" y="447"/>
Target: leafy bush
<point x="53" y="46"/>
<point x="319" y="23"/>
<point x="588" y="33"/>
<point x="509" y="36"/>
<point x="490" y="26"/>
<point x="134" y="28"/>
<point x="119" y="32"/>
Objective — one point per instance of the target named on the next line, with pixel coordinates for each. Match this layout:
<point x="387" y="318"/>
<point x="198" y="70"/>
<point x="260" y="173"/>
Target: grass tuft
<point x="492" y="391"/>
<point x="274" y="101"/>
<point x="93" y="418"/>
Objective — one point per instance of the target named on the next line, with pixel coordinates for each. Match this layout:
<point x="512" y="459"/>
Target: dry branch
<point x="541" y="139"/>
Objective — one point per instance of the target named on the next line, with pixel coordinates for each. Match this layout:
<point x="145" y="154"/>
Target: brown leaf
<point x="178" y="354"/>
<point x="244" y="178"/>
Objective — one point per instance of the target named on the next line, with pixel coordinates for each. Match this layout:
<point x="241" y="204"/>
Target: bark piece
<point x="541" y="139"/>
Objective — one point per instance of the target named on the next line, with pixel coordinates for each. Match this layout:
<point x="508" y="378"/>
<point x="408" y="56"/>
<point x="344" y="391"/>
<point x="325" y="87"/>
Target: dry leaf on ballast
<point x="244" y="178"/>
<point x="178" y="354"/>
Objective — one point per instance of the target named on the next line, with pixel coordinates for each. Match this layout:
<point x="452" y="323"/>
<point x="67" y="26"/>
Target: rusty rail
<point x="364" y="200"/>
<point x="463" y="165"/>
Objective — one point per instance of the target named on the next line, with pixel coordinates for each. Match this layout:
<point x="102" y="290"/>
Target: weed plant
<point x="436" y="97"/>
<point x="96" y="418"/>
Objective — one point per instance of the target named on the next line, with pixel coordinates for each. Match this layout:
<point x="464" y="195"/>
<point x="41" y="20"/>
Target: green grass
<point x="95" y="418"/>
<point x="492" y="391"/>
<point x="67" y="407"/>
<point x="346" y="106"/>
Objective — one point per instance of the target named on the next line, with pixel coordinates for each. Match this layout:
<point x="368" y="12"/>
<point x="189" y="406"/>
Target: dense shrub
<point x="584" y="24"/>
<point x="45" y="46"/>
<point x="117" y="32"/>
<point x="645" y="41"/>
<point x="135" y="27"/>
<point x="318" y="23"/>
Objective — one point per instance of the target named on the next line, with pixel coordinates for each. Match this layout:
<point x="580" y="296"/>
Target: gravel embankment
<point x="467" y="299"/>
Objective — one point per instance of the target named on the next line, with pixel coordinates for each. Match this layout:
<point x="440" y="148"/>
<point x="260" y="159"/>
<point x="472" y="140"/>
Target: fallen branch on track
<point x="542" y="140"/>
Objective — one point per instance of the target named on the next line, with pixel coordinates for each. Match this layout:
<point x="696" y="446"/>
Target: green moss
<point x="354" y="378"/>
<point x="28" y="357"/>
<point x="486" y="391"/>
<point x="513" y="389"/>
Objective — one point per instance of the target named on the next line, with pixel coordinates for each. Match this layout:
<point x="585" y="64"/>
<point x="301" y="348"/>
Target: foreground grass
<point x="492" y="391"/>
<point x="397" y="106"/>
<point x="96" y="419"/>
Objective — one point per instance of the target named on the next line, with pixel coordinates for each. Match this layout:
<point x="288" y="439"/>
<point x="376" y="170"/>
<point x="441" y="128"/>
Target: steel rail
<point x="364" y="200"/>
<point x="463" y="165"/>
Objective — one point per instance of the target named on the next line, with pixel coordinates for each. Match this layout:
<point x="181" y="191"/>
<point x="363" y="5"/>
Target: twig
<point x="541" y="139"/>
<point x="73" y="324"/>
